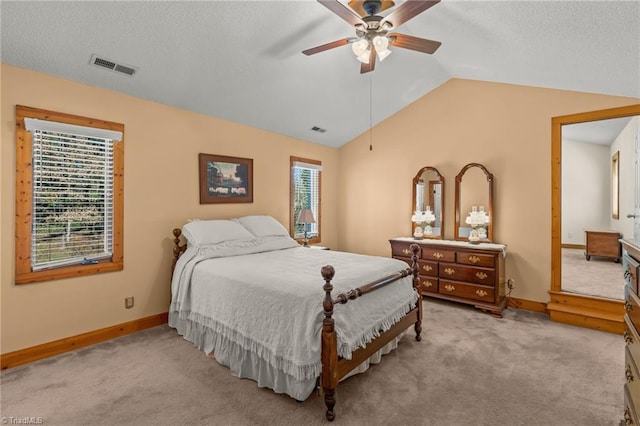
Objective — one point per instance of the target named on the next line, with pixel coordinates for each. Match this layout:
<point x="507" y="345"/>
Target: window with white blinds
<point x="72" y="194"/>
<point x="305" y="188"/>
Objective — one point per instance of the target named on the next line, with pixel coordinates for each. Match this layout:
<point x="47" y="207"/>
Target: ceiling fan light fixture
<point x="364" y="57"/>
<point x="383" y="54"/>
<point x="360" y="47"/>
<point x="381" y="43"/>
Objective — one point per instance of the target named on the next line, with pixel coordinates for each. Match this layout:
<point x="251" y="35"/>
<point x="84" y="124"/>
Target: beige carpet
<point x="599" y="276"/>
<point x="470" y="369"/>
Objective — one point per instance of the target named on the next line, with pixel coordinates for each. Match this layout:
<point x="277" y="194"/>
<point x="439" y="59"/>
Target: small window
<point x="69" y="195"/>
<point x="305" y="194"/>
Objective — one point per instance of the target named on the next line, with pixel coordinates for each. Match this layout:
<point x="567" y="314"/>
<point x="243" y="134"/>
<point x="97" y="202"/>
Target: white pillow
<point x="203" y="232"/>
<point x="263" y="226"/>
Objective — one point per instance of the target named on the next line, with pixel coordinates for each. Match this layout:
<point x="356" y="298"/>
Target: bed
<point x="262" y="305"/>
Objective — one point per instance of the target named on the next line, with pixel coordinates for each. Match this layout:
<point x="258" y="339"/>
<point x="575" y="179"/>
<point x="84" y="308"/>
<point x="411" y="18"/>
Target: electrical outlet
<point x="128" y="302"/>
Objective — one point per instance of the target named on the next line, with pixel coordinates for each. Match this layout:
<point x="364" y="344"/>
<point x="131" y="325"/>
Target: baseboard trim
<point x="574" y="246"/>
<point x="57" y="347"/>
<point x="528" y="305"/>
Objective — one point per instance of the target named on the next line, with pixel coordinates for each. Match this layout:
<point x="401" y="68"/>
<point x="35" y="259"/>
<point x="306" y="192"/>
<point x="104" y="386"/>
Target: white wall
<point x="586" y="190"/>
<point x="625" y="144"/>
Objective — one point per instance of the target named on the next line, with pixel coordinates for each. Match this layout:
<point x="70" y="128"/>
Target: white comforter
<point x="270" y="303"/>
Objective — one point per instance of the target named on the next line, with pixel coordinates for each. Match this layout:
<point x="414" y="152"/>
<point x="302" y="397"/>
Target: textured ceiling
<point x="242" y="61"/>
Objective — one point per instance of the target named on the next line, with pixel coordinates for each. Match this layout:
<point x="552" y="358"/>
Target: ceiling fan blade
<point x="408" y="10"/>
<point x="327" y="46"/>
<point x="342" y="11"/>
<point x="365" y="68"/>
<point x="358" y="6"/>
<point x="414" y="43"/>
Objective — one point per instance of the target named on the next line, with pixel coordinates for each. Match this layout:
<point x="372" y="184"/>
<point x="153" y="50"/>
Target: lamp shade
<point x="306" y="216"/>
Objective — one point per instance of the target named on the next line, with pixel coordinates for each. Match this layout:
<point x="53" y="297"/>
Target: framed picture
<point x="225" y="179"/>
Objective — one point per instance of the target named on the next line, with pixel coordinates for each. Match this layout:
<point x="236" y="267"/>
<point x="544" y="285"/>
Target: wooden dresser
<point x="631" y="268"/>
<point x="459" y="271"/>
<point x="603" y="243"/>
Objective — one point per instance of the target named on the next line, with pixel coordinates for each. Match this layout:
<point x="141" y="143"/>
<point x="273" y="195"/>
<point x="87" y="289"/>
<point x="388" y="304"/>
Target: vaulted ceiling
<point x="242" y="61"/>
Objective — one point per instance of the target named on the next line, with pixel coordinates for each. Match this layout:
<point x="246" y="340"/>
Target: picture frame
<point x="225" y="179"/>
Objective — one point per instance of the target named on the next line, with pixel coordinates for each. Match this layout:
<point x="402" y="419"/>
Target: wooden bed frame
<point x="333" y="367"/>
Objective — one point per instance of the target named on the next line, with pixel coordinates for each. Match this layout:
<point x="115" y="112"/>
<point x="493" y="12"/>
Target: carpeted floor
<point x="469" y="369"/>
<point x="599" y="276"/>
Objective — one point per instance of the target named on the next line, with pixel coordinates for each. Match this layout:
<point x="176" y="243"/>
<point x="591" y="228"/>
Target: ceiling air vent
<point x="113" y="66"/>
<point x="318" y="129"/>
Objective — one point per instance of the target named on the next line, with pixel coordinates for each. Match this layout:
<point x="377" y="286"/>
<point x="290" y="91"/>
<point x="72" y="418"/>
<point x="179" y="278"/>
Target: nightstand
<point x="320" y="247"/>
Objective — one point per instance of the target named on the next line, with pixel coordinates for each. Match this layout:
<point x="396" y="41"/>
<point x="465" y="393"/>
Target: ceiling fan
<point x="372" y="31"/>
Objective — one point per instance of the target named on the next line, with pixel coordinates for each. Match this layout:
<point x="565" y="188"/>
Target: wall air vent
<point x="318" y="129"/>
<point x="113" y="66"/>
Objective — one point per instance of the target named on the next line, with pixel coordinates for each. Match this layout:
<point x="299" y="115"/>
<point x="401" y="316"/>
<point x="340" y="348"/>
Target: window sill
<point x="68" y="272"/>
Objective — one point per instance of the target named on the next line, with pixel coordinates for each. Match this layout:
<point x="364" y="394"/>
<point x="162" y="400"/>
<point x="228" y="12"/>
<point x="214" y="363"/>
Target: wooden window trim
<point x="24" y="191"/>
<point x="316" y="239"/>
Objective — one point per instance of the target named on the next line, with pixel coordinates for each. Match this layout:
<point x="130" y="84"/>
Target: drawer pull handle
<point x="628" y="374"/>
<point x="481" y="293"/>
<point x="628" y="306"/>
<point x="627" y="417"/>
<point x="438" y="255"/>
<point x="474" y="259"/>
<point x="427" y="268"/>
<point x="449" y="271"/>
<point x="628" y="339"/>
<point x="481" y="275"/>
<point x="449" y="287"/>
<point x="406" y="251"/>
<point x="427" y="283"/>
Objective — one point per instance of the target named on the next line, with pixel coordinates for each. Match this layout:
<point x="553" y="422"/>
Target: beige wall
<point x="161" y="192"/>
<point x="505" y="127"/>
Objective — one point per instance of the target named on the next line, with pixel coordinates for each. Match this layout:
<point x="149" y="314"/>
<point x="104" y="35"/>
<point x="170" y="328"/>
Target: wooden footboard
<point x="334" y="368"/>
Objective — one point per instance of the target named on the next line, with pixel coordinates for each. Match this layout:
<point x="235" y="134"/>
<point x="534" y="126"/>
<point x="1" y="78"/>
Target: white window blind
<point x="306" y="187"/>
<point x="72" y="200"/>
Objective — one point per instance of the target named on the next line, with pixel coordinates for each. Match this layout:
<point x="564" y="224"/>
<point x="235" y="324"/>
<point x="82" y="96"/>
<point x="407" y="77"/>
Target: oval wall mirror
<point x="428" y="204"/>
<point x="474" y="204"/>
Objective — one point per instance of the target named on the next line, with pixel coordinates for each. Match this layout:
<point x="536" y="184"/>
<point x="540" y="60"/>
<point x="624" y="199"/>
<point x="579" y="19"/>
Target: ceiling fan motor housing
<point x="371" y="6"/>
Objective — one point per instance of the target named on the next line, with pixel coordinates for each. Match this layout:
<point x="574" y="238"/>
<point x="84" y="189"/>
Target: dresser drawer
<point x="630" y="416"/>
<point x="631" y="339"/>
<point x="402" y="250"/>
<point x="427" y="269"/>
<point x="439" y="255"/>
<point x="469" y="291"/>
<point x="632" y="307"/>
<point x="429" y="284"/>
<point x="455" y="272"/>
<point x="632" y="377"/>
<point x="631" y="273"/>
<point x="476" y="259"/>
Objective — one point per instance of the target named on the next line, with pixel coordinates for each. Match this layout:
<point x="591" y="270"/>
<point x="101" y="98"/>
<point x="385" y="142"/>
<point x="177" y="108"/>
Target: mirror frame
<point x="556" y="197"/>
<point x="489" y="176"/>
<point x="413" y="201"/>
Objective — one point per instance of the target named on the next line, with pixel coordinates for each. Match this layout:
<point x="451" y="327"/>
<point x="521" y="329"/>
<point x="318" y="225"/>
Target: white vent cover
<point x="97" y="61"/>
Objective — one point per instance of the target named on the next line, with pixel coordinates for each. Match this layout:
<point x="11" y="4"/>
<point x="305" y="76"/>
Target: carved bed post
<point x="177" y="249"/>
<point x="329" y="375"/>
<point x="415" y="248"/>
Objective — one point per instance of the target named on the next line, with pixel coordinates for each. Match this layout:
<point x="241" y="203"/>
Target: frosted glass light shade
<point x="360" y="46"/>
